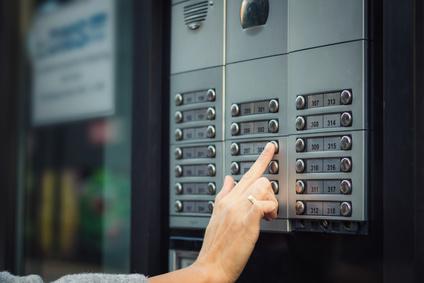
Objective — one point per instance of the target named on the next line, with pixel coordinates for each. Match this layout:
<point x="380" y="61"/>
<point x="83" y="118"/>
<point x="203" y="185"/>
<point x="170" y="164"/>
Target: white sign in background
<point x="73" y="60"/>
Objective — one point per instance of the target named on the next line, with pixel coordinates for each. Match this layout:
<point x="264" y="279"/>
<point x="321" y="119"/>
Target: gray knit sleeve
<point x="6" y="277"/>
<point x="100" y="278"/>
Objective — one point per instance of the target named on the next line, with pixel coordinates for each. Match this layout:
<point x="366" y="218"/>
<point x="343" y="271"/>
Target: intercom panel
<point x="327" y="89"/>
<point x="196" y="105"/>
<point x="327" y="176"/>
<point x="256" y="98"/>
<point x="296" y="76"/>
<point x="197" y="35"/>
<point x="256" y="28"/>
<point x="241" y="154"/>
<point x="198" y="174"/>
<point x="179" y="259"/>
<point x="324" y="22"/>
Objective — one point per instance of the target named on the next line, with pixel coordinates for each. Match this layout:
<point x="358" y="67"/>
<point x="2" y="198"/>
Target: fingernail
<point x="269" y="144"/>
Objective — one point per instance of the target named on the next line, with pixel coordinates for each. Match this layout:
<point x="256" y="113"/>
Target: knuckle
<point x="263" y="181"/>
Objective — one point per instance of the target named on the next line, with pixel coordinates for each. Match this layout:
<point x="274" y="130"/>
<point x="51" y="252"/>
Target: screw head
<point x="346" y="97"/>
<point x="345" y="209"/>
<point x="235" y="168"/>
<point x="178" y="188"/>
<point x="211" y="113"/>
<point x="300" y="207"/>
<point x="345" y="187"/>
<point x="300" y="123"/>
<point x="300" y="166"/>
<point x="178" y="171"/>
<point x="178" y="117"/>
<point x="235" y="129"/>
<point x="178" y="153"/>
<point x="300" y="102"/>
<point x="300" y="187"/>
<point x="300" y="145"/>
<point x="211" y="95"/>
<point x="275" y="187"/>
<point x="210" y="132"/>
<point x="345" y="164"/>
<point x="273" y="167"/>
<point x="211" y="170"/>
<point x="178" y="206"/>
<point x="346" y="119"/>
<point x="178" y="99"/>
<point x="235" y="110"/>
<point x="211" y="151"/>
<point x="273" y="126"/>
<point x="211" y="188"/>
<point x="178" y="134"/>
<point x="234" y="148"/>
<point x="273" y="106"/>
<point x="346" y="143"/>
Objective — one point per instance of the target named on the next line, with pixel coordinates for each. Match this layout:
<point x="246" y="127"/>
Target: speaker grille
<point x="195" y="14"/>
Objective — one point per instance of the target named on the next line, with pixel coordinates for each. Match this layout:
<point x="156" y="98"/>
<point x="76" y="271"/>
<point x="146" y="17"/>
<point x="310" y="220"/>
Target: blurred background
<point x="68" y="64"/>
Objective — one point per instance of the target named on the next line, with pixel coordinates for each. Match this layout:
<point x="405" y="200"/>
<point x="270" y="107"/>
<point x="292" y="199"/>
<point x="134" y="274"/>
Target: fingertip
<point x="270" y="146"/>
<point x="228" y="181"/>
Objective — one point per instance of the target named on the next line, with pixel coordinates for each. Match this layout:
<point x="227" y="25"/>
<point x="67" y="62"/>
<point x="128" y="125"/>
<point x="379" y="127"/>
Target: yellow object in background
<point x="46" y="211"/>
<point x="68" y="211"/>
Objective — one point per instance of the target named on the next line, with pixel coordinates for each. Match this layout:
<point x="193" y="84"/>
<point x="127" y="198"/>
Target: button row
<point x="251" y="108"/>
<point x="195" y="188"/>
<point x="195" y="133"/>
<point x="194" y="206"/>
<point x="343" y="97"/>
<point x="242" y="167"/>
<point x="195" y="115"/>
<point x="250" y="148"/>
<point x="317" y="208"/>
<point x="324" y="187"/>
<point x="255" y="127"/>
<point x="324" y="165"/>
<point x="195" y="97"/>
<point x="200" y="170"/>
<point x="195" y="152"/>
<point x="323" y="144"/>
<point x="324" y="121"/>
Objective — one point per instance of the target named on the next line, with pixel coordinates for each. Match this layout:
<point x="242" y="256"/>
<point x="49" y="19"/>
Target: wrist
<point x="208" y="273"/>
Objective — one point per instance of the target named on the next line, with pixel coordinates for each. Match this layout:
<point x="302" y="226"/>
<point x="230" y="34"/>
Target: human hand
<point x="234" y="226"/>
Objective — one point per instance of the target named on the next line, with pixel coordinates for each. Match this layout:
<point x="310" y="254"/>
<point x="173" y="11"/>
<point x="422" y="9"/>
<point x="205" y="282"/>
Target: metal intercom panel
<point x="292" y="72"/>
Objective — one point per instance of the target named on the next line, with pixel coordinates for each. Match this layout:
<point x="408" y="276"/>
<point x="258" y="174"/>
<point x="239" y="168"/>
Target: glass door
<point x="75" y="161"/>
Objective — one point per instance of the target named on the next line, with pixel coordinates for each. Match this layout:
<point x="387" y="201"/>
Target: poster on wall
<point x="73" y="62"/>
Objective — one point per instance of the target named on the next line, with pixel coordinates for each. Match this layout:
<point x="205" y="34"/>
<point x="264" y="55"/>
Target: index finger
<point x="260" y="165"/>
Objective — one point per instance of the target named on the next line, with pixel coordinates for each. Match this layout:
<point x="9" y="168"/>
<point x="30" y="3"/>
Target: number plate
<point x="315" y="100"/>
<point x="189" y="189"/>
<point x="253" y="128"/>
<point x="314" y="187"/>
<point x="331" y="165"/>
<point x="314" y="144"/>
<point x="314" y="165"/>
<point x="331" y="187"/>
<point x="314" y="208"/>
<point x="331" y="208"/>
<point x="189" y="206"/>
<point x="332" y="121"/>
<point x="314" y="122"/>
<point x="331" y="143"/>
<point x="331" y="99"/>
<point x="251" y="108"/>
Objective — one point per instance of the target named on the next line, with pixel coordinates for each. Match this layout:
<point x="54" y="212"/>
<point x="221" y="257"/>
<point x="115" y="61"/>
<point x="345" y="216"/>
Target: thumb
<point x="261" y="208"/>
